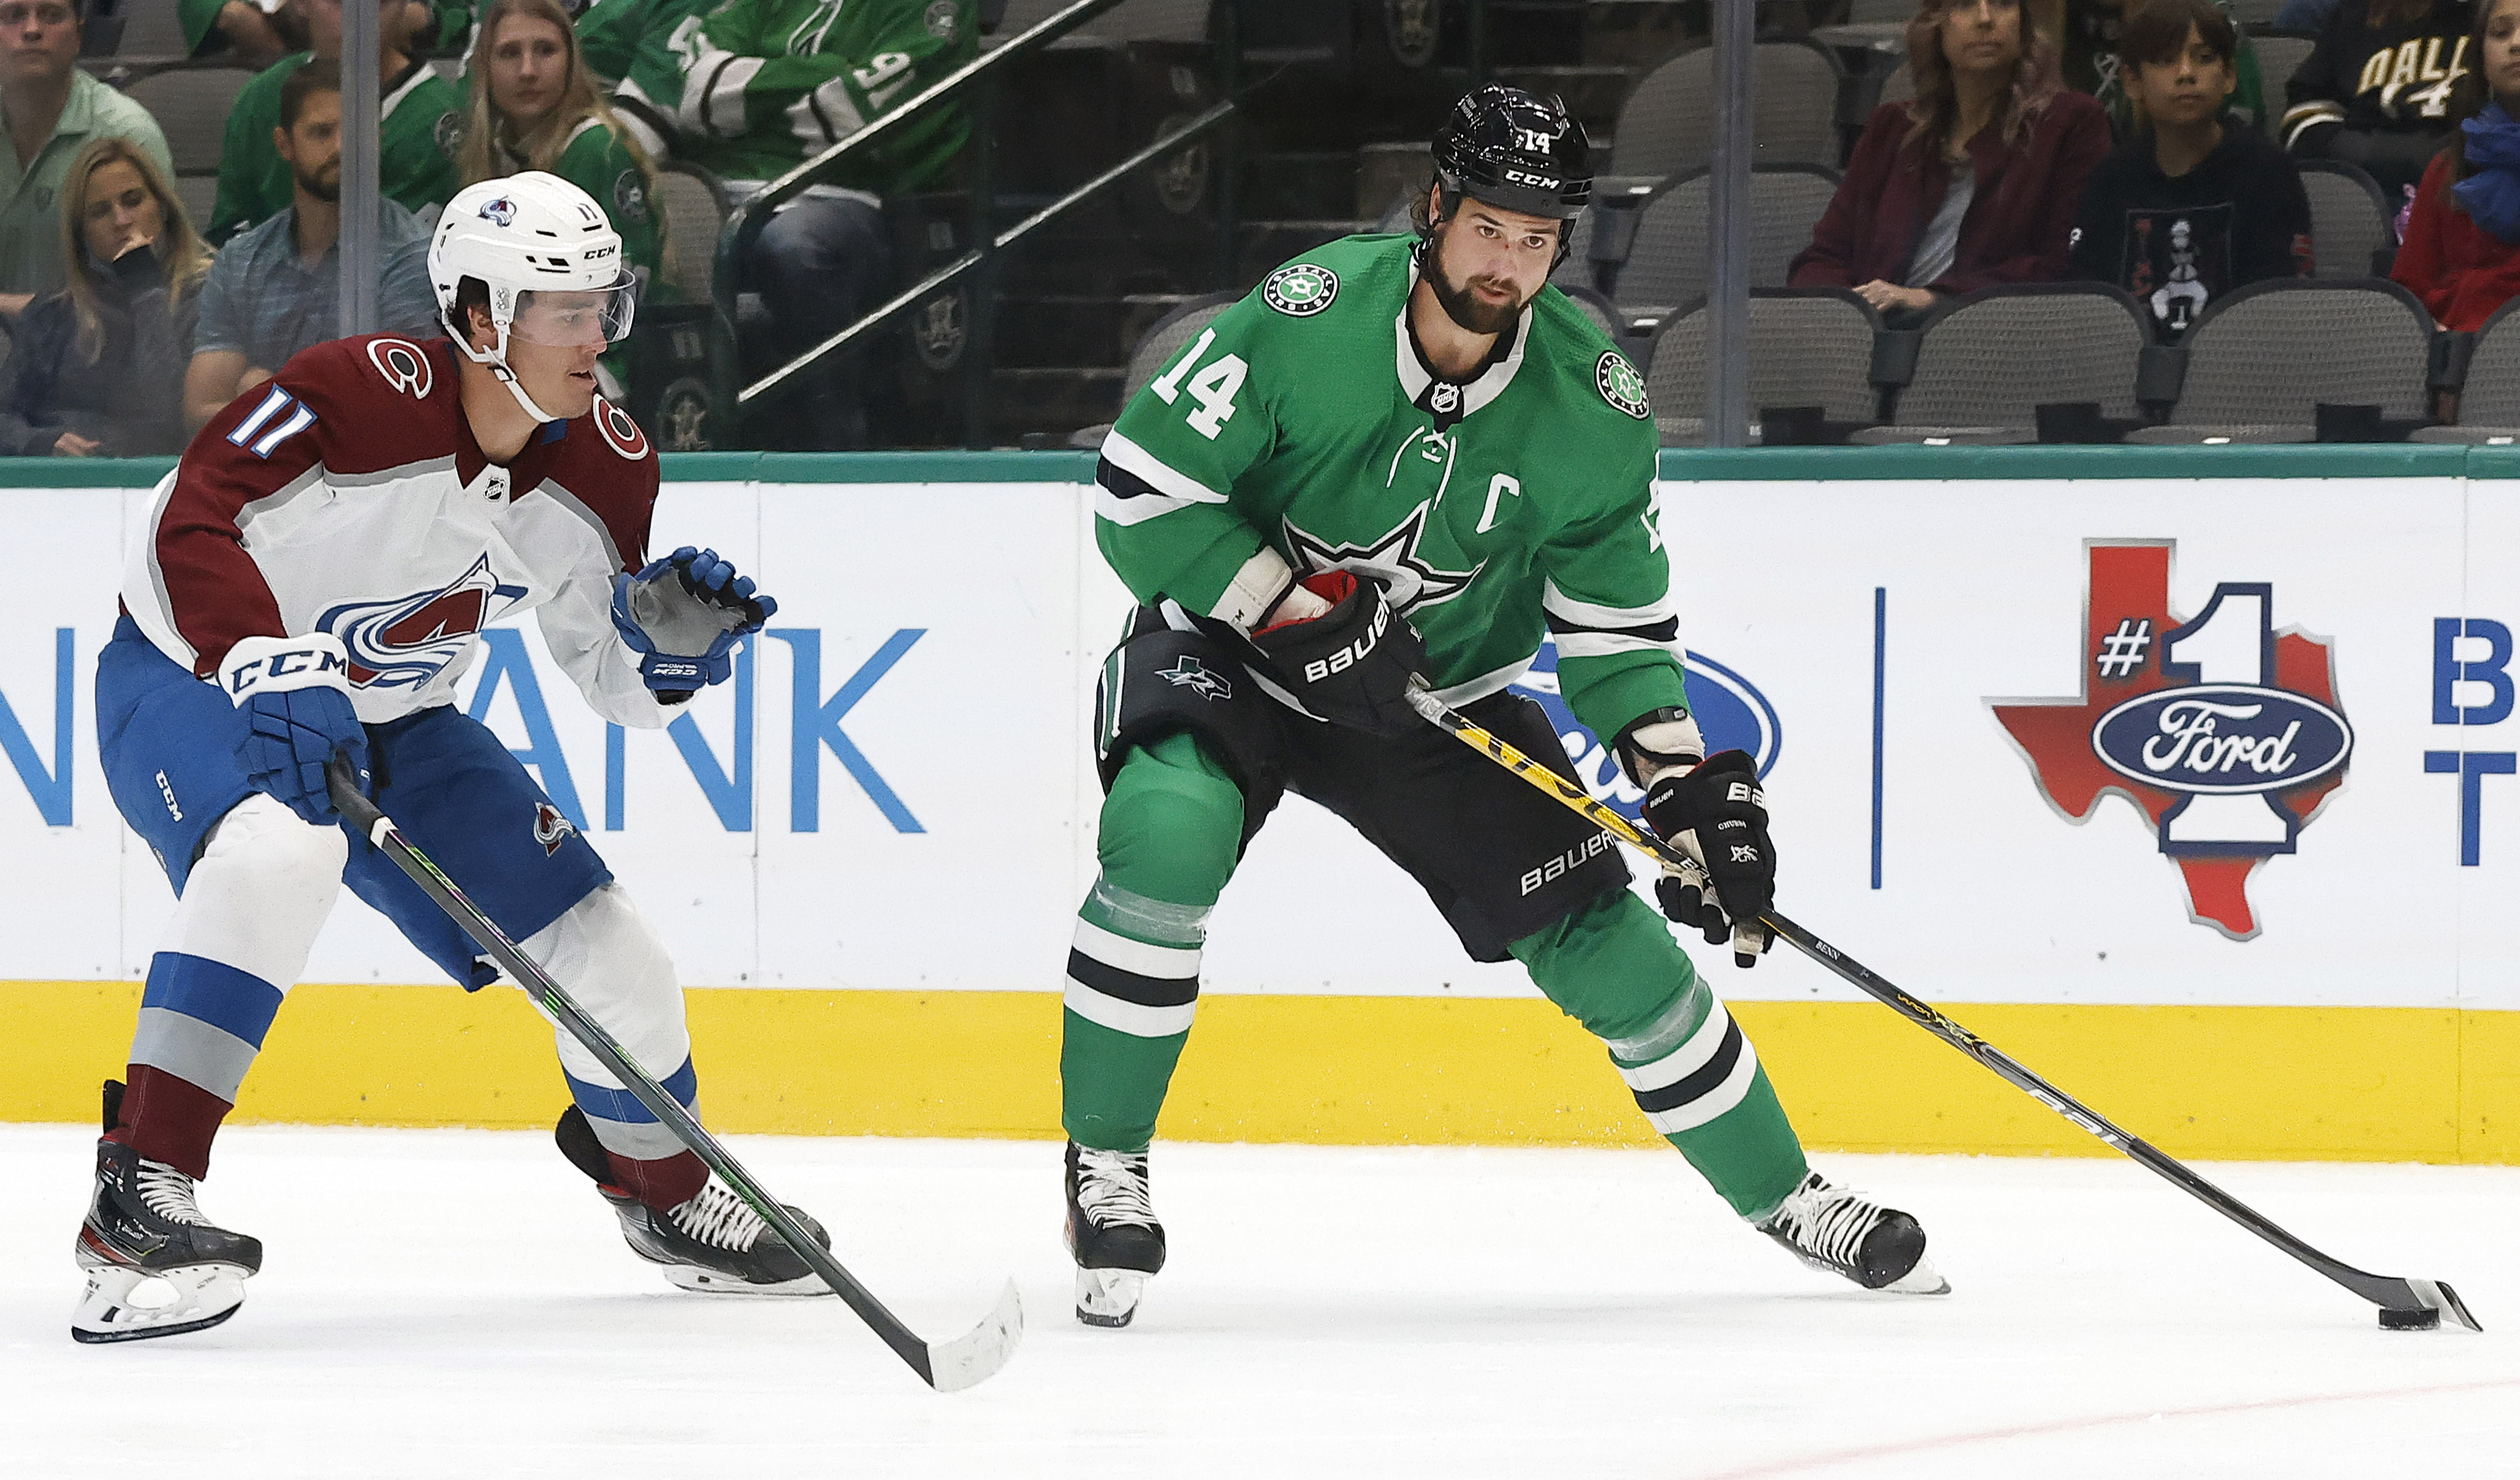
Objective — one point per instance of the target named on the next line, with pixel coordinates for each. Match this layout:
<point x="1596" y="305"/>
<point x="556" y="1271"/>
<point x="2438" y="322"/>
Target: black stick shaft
<point x="370" y="822"/>
<point x="2385" y="1291"/>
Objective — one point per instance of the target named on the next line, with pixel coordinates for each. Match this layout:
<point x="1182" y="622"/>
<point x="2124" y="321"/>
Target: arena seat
<point x="2488" y="397"/>
<point x="2296" y="359"/>
<point x="1667" y="124"/>
<point x="1988" y="362"/>
<point x="1810" y="353"/>
<point x="1668" y="262"/>
<point x="693" y="205"/>
<point x="2351" y="233"/>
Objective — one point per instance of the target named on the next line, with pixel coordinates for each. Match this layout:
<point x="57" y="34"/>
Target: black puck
<point x="2423" y="1319"/>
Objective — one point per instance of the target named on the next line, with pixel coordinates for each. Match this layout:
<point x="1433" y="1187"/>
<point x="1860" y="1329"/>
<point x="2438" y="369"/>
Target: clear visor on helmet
<point x="571" y="319"/>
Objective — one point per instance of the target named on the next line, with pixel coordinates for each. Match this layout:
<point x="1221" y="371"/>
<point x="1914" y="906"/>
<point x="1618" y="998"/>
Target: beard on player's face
<point x="1460" y="297"/>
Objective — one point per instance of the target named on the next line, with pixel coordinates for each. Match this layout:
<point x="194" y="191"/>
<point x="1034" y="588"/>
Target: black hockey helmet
<point x="1514" y="149"/>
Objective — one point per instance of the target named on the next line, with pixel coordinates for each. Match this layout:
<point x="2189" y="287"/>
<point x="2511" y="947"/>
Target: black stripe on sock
<point x="1672" y="1096"/>
<point x="1665" y="631"/>
<point x="1129" y="986"/>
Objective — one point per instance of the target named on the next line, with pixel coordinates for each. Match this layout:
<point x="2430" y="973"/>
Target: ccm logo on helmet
<point x="592" y="254"/>
<point x="1526" y="177"/>
<point x="1353" y="653"/>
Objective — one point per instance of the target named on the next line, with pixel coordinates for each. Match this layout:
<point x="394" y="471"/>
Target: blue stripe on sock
<point x="235" y="1002"/>
<point x="600" y="1103"/>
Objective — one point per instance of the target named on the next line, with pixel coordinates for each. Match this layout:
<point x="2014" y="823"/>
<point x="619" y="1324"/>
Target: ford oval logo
<point x="2222" y="739"/>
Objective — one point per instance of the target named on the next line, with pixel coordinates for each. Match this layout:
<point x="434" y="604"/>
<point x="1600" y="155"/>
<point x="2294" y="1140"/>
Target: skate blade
<point x="192" y="1298"/>
<point x="1108" y="1298"/>
<point x="1924" y="1279"/>
<point x="701" y="1282"/>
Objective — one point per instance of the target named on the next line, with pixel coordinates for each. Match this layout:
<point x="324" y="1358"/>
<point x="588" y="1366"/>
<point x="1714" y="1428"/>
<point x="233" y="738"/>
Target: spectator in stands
<point x="755" y="87"/>
<point x="2462" y="250"/>
<point x="2095" y="60"/>
<point x="53" y="110"/>
<point x="1974" y="181"/>
<point x="254" y="32"/>
<point x="2305" y="18"/>
<point x="277" y="289"/>
<point x="609" y="33"/>
<point x="418" y="123"/>
<point x="2196" y="203"/>
<point x="532" y="104"/>
<point x="2376" y="91"/>
<point x="98" y="368"/>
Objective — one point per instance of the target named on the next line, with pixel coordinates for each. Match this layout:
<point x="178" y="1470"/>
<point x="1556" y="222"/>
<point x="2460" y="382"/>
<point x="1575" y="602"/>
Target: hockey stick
<point x="959" y="1363"/>
<point x="2405" y="1304"/>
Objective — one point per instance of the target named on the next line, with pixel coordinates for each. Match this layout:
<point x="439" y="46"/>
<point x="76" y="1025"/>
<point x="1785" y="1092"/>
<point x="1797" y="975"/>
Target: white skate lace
<point x="718" y="1216"/>
<point x="1111" y="1188"/>
<point x="1827" y="1222"/>
<point x="168" y="1194"/>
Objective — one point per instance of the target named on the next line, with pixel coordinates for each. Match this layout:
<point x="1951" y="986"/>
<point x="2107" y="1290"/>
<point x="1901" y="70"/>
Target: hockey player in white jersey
<point x="311" y="584"/>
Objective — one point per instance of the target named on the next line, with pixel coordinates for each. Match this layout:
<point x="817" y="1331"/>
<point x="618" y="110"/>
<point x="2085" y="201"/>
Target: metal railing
<point x="745" y="225"/>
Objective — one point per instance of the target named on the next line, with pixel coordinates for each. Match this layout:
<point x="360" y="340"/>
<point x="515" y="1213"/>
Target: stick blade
<point x="2437" y="1295"/>
<point x="975" y="1356"/>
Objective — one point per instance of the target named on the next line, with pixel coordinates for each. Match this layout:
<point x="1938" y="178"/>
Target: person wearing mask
<point x="2095" y="61"/>
<point x="53" y="110"/>
<point x="2376" y="90"/>
<point x="2462" y="250"/>
<point x="277" y="289"/>
<point x="417" y="123"/>
<point x="98" y="368"/>
<point x="1970" y="183"/>
<point x="2197" y="204"/>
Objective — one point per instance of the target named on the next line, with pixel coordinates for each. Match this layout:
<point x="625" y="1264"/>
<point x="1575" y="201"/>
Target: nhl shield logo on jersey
<point x="552" y="827"/>
<point x="1300" y="290"/>
<point x="2223" y="731"/>
<point x="1621" y="386"/>
<point x="1199" y="678"/>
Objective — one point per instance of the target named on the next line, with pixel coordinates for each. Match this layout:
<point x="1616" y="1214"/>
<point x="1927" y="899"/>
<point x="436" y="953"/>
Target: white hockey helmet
<point x="522" y="235"/>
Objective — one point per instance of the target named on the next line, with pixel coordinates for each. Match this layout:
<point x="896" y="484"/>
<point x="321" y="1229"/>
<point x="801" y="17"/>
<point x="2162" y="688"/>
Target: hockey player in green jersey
<point x="1409" y="458"/>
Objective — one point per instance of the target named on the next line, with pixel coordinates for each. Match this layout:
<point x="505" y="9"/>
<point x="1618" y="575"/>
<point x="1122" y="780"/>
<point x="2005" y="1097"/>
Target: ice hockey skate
<point x="714" y="1243"/>
<point x="1846" y="1232"/>
<point x="154" y="1265"/>
<point x="1113" y="1232"/>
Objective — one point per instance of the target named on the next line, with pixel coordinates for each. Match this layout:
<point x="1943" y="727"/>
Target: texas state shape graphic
<point x="2217" y="823"/>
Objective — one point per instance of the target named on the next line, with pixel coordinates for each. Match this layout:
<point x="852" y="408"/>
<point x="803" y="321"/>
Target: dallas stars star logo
<point x="1191" y="674"/>
<point x="1408" y="580"/>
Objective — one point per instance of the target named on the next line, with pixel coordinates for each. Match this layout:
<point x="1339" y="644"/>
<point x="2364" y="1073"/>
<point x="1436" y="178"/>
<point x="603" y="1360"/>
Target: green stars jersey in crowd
<point x="758" y="86"/>
<point x="415" y="138"/>
<point x="1492" y="511"/>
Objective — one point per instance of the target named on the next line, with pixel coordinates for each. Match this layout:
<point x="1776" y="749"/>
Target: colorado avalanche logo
<point x="500" y="212"/>
<point x="619" y="430"/>
<point x="405" y="643"/>
<point x="552" y="827"/>
<point x="403" y="365"/>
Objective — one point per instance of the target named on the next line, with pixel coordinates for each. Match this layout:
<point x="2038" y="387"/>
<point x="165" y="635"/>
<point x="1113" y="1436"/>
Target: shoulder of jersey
<point x="1602" y="377"/>
<point x="1334" y="281"/>
<point x="609" y="436"/>
<point x="363" y="399"/>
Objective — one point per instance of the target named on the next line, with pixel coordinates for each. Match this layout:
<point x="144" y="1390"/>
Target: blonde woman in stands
<point x="98" y="369"/>
<point x="532" y="104"/>
<point x="1971" y="183"/>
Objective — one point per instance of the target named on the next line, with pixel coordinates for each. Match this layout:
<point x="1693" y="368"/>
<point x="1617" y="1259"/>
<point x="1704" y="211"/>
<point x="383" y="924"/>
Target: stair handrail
<point x="747" y="220"/>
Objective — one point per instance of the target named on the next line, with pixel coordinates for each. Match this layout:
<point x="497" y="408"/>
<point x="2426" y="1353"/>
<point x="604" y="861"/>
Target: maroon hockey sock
<point x="665" y="1183"/>
<point x="171" y="1120"/>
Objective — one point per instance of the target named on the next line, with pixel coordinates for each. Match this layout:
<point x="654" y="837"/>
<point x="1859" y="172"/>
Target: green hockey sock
<point x="1614" y="967"/>
<point x="1171" y="831"/>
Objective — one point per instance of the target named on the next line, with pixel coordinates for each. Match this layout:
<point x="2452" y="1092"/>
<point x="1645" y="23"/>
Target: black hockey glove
<point x="1352" y="664"/>
<point x="1717" y="815"/>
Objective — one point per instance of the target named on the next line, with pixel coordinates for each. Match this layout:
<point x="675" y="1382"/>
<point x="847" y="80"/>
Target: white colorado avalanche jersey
<point x="347" y="495"/>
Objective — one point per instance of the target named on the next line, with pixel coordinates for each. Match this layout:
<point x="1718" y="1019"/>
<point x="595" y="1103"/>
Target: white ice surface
<point x="457" y="1304"/>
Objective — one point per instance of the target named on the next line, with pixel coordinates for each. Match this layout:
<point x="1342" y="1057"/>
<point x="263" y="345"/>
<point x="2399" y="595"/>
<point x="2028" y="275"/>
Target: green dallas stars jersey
<point x="756" y="87"/>
<point x="1303" y="422"/>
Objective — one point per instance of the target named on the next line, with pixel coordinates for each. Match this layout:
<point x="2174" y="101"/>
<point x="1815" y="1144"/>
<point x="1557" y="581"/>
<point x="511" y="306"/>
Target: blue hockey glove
<point x="296" y="696"/>
<point x="683" y="615"/>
